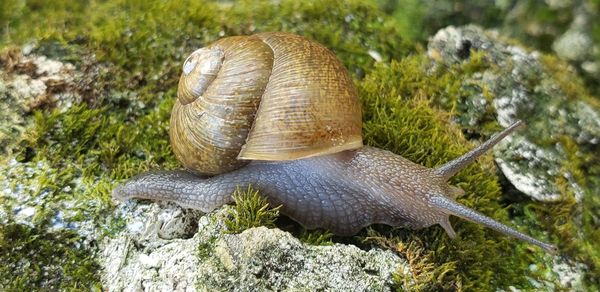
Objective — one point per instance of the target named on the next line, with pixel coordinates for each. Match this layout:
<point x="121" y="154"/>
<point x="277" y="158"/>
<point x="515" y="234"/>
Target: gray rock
<point x="564" y="275"/>
<point x="142" y="258"/>
<point x="509" y="154"/>
<point x="533" y="159"/>
<point x="573" y="45"/>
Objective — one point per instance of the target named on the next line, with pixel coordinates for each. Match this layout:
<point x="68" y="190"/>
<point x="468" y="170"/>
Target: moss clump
<point x="574" y="221"/>
<point x="251" y="210"/>
<point x="570" y="224"/>
<point x="551" y="84"/>
<point x="34" y="259"/>
<point x="316" y="237"/>
<point x="420" y="19"/>
<point x="206" y="248"/>
<point x="69" y="160"/>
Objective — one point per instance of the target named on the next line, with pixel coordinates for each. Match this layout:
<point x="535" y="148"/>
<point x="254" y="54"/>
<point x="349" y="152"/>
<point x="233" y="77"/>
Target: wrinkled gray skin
<point x="341" y="192"/>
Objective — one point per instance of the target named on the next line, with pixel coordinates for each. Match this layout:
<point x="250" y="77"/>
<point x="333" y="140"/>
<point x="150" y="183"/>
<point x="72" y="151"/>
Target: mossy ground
<point x="121" y="130"/>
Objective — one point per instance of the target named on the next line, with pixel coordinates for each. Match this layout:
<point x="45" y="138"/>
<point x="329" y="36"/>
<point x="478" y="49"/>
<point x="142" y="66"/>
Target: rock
<point x="29" y="81"/>
<point x="576" y="44"/>
<point x="519" y="86"/>
<point x="509" y="154"/>
<point x="564" y="275"/>
<point x="140" y="258"/>
<point x="573" y="45"/>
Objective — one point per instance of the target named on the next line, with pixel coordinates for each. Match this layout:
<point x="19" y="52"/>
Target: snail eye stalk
<point x="449" y="169"/>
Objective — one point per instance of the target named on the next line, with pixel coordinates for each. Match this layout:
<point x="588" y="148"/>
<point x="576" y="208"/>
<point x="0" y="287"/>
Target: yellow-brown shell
<point x="269" y="96"/>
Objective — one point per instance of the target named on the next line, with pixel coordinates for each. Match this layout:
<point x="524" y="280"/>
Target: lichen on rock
<point x="207" y="257"/>
<point x="27" y="82"/>
<point x="577" y="44"/>
<point x="553" y="159"/>
<point x="517" y="85"/>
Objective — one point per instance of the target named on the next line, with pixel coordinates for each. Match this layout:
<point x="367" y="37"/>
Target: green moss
<point x="73" y="159"/>
<point x="316" y="237"/>
<point x="148" y="40"/>
<point x="34" y="259"/>
<point x="251" y="210"/>
<point x="594" y="83"/>
<point x="116" y="135"/>
<point x="572" y="225"/>
<point x="206" y="248"/>
<point x="349" y="28"/>
<point x="421" y="19"/>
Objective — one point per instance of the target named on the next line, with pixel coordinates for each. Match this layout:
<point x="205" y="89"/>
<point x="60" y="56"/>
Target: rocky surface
<point x="29" y="81"/>
<point x="167" y="248"/>
<point x="576" y="44"/>
<point x="565" y="27"/>
<point x="520" y="87"/>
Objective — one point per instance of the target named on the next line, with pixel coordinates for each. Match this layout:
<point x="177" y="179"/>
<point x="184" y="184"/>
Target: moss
<point x="538" y="23"/>
<point x="251" y="210"/>
<point x="73" y="159"/>
<point x="349" y="28"/>
<point x="423" y="271"/>
<point x="121" y="129"/>
<point x="573" y="222"/>
<point x="316" y="237"/>
<point x="147" y="40"/>
<point x="34" y="259"/>
<point x="594" y="83"/>
<point x="419" y="19"/>
<point x="10" y="10"/>
<point x="206" y="248"/>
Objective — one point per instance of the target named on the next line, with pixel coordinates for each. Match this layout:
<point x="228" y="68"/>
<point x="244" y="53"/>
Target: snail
<point x="280" y="112"/>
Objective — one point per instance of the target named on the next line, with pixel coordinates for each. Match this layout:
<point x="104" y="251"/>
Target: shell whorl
<point x="270" y="96"/>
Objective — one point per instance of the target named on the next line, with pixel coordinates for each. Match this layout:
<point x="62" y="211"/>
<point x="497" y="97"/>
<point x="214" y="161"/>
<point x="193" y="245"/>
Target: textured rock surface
<point x="29" y="81"/>
<point x="519" y="87"/>
<point x="166" y="248"/>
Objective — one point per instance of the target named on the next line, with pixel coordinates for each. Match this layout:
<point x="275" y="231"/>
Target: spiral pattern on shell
<point x="269" y="96"/>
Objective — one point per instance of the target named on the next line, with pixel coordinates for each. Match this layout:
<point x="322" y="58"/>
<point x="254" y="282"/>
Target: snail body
<point x="279" y="111"/>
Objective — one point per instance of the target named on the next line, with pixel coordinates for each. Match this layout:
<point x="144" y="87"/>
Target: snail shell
<point x="269" y="96"/>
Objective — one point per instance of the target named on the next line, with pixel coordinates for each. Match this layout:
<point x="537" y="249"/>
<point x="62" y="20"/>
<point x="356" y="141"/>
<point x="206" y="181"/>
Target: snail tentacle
<point x="449" y="169"/>
<point x="461" y="211"/>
